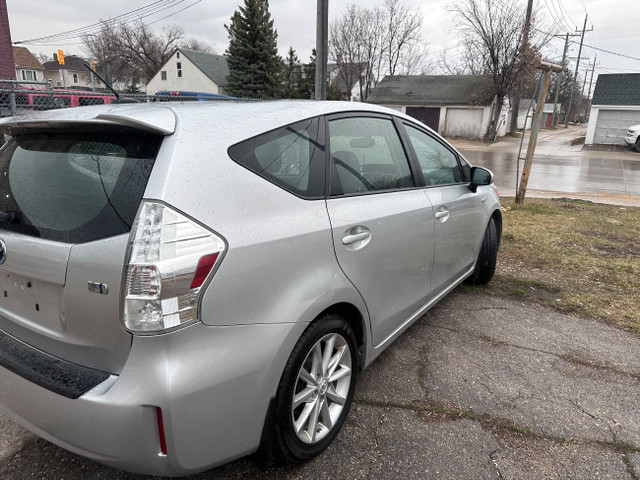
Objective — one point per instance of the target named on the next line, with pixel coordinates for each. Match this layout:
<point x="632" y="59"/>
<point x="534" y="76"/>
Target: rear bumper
<point x="213" y="385"/>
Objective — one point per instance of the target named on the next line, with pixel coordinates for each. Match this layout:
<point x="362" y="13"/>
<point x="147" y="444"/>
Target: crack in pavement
<point x="577" y="405"/>
<point x="573" y="359"/>
<point x="495" y="463"/>
<point x="489" y="423"/>
<point x="512" y="399"/>
<point x="627" y="461"/>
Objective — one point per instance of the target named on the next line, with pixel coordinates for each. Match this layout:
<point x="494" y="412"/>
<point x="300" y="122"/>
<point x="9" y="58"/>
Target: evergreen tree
<point x="252" y="55"/>
<point x="291" y="75"/>
<point x="307" y="85"/>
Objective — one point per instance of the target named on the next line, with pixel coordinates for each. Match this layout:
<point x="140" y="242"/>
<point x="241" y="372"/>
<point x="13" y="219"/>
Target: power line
<point x="616" y="69"/>
<point x="596" y="48"/>
<point x="584" y="7"/>
<point x="609" y="51"/>
<point x="128" y="17"/>
<point x="79" y="31"/>
<point x="557" y="19"/>
<point x="175" y="13"/>
<point x="575" y="26"/>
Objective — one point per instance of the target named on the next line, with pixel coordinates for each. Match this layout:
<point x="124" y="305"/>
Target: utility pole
<point x="593" y="69"/>
<point x="591" y="81"/>
<point x="322" y="42"/>
<point x="586" y="74"/>
<point x="523" y="46"/>
<point x="545" y="81"/>
<point x="559" y="79"/>
<point x="575" y="76"/>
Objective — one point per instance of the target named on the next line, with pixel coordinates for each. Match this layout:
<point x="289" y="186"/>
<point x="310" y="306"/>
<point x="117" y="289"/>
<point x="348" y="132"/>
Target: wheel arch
<point x="497" y="218"/>
<point x="356" y="321"/>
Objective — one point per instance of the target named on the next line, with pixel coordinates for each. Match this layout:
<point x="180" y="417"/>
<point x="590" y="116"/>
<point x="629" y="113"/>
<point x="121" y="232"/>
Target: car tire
<point x="315" y="393"/>
<point x="487" y="258"/>
<point x="638" y="145"/>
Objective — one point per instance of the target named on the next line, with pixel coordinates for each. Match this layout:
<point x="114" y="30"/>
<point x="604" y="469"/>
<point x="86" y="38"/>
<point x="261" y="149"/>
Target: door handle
<point x="442" y="215"/>
<point x="355" y="237"/>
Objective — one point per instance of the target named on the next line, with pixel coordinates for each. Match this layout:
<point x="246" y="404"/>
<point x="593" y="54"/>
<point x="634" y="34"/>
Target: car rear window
<point x="74" y="187"/>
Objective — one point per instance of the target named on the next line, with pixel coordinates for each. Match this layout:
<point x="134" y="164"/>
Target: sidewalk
<point x="621" y="199"/>
<point x="560" y="134"/>
<point x="555" y="153"/>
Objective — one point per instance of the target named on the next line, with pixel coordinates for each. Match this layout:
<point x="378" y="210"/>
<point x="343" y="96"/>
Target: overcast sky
<point x="615" y="24"/>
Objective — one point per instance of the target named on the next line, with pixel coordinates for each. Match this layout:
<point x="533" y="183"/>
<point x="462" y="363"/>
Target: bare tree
<point x="370" y="29"/>
<point x="197" y="45"/>
<point x="345" y="48"/>
<point x="403" y="37"/>
<point x="492" y="31"/>
<point x="414" y="60"/>
<point x="367" y="44"/>
<point x="465" y="62"/>
<point x="42" y="58"/>
<point x="131" y="53"/>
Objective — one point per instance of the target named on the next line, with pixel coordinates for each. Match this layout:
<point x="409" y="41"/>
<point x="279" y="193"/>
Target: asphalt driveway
<point x="481" y="388"/>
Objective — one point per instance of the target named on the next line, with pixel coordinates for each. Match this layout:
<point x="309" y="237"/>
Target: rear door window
<point x="74" y="187"/>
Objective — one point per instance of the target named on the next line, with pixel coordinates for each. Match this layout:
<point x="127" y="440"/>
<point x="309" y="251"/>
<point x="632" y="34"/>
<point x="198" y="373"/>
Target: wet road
<point x="558" y="166"/>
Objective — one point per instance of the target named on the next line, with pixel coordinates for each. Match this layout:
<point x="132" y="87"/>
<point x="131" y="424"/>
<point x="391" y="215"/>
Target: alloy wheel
<point x="321" y="389"/>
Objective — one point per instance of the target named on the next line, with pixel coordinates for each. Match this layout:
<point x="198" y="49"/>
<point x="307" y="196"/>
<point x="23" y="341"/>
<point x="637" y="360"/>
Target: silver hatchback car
<point x="185" y="284"/>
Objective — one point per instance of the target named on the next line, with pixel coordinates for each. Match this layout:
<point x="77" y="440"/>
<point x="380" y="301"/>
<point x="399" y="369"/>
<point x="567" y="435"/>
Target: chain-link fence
<point x="21" y="97"/>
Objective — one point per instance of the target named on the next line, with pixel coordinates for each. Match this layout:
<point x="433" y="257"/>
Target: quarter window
<point x="292" y="157"/>
<point x="438" y="164"/>
<point x="367" y="155"/>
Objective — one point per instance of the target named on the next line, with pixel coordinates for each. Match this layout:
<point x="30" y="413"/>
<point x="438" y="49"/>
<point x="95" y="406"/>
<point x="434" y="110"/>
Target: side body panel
<point x="391" y="268"/>
<point x="460" y="224"/>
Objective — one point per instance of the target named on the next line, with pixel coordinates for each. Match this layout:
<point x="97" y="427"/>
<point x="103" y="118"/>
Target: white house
<point x="527" y="106"/>
<point x="336" y="74"/>
<point x="614" y="108"/>
<point x="28" y="67"/>
<point x="73" y="74"/>
<point x="189" y="70"/>
<point x="452" y="105"/>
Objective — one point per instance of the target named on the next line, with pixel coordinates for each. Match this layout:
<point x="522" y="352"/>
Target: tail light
<point x="169" y="259"/>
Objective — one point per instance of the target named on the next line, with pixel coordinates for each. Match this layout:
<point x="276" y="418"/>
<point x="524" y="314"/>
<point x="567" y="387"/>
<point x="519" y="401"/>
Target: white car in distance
<point x="633" y="137"/>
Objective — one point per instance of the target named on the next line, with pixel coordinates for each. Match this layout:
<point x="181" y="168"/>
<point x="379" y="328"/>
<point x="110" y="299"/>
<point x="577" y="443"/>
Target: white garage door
<point x="464" y="122"/>
<point x="612" y="125"/>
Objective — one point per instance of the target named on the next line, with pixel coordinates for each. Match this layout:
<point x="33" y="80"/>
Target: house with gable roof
<point x="452" y="105"/>
<point x="614" y="108"/>
<point x="190" y="70"/>
<point x="28" y="67"/>
<point x="72" y="75"/>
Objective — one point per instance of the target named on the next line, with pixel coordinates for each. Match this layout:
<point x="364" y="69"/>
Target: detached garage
<point x="452" y="105"/>
<point x="615" y="107"/>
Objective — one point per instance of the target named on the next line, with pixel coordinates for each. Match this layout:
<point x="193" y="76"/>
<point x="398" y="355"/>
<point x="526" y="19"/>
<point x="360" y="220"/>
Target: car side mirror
<point x="480" y="176"/>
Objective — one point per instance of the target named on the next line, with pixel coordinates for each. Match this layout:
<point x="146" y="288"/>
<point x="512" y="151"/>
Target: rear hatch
<point x="68" y="197"/>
